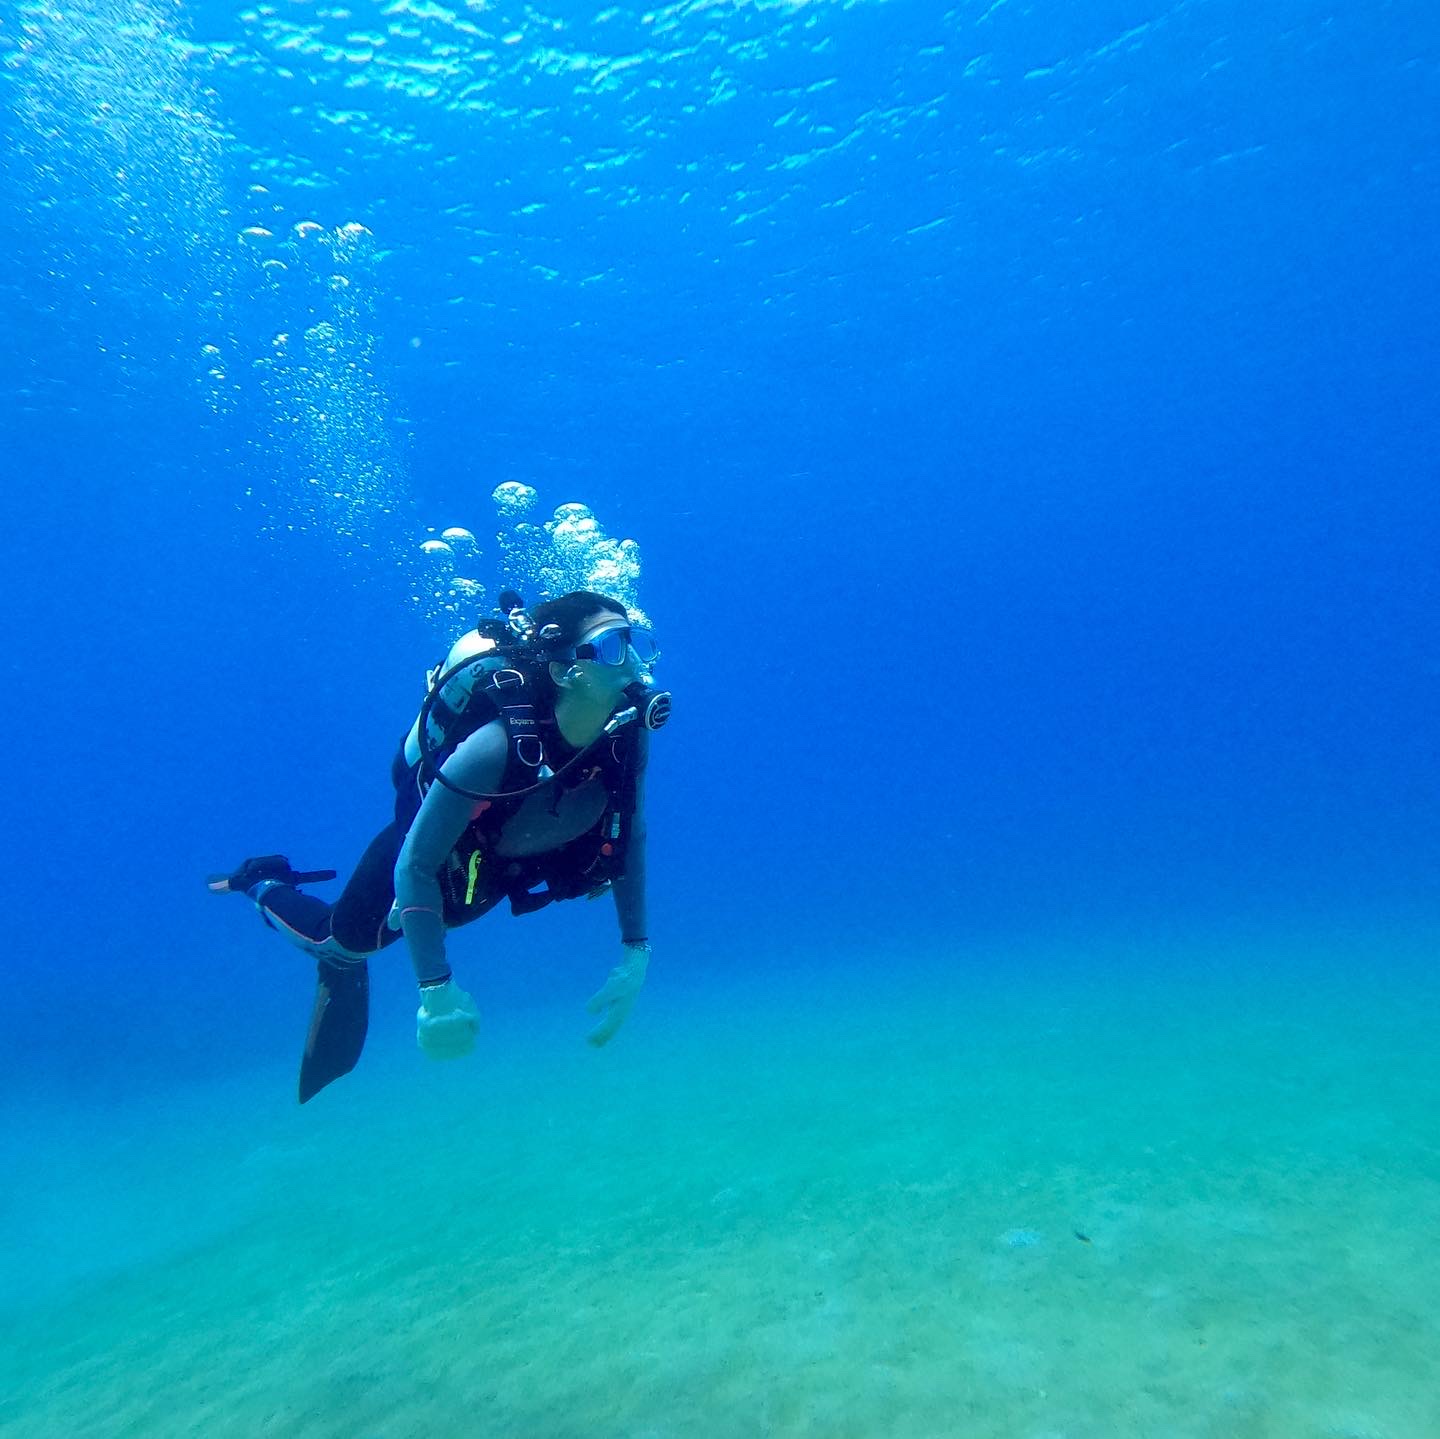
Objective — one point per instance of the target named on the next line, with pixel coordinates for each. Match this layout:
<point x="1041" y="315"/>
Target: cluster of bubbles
<point x="539" y="559"/>
<point x="112" y="114"/>
<point x="334" y="462"/>
<point x="117" y="164"/>
<point x="120" y="166"/>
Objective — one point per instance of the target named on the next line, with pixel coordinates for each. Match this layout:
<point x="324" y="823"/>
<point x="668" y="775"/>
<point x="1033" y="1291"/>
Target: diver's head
<point x="594" y="652"/>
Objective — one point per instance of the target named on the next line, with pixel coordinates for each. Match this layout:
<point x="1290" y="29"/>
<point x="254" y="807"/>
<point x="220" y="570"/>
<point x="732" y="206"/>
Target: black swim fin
<point x="263" y="867"/>
<point x="337" y="1025"/>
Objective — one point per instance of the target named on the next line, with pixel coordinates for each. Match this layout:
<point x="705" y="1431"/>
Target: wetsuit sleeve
<point x="477" y="764"/>
<point x="630" y="887"/>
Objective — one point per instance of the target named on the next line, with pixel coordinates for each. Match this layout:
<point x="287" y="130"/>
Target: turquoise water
<point x="774" y="1208"/>
<point x="1026" y="414"/>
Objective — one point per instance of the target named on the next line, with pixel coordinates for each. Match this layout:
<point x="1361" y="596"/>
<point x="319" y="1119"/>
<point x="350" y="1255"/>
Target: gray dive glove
<point x="447" y="1021"/>
<point x="616" y="996"/>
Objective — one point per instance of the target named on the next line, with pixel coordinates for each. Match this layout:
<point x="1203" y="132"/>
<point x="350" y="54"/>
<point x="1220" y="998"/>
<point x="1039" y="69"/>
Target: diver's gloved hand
<point x="617" y="996"/>
<point x="447" y="1021"/>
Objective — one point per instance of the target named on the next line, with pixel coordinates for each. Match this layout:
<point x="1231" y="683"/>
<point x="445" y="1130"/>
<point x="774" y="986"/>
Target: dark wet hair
<point x="569" y="614"/>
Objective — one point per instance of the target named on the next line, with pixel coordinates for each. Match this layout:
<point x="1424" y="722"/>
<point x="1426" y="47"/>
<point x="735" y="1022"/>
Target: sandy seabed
<point x="1046" y="1197"/>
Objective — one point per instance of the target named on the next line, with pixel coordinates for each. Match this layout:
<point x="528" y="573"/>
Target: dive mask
<point x="612" y="647"/>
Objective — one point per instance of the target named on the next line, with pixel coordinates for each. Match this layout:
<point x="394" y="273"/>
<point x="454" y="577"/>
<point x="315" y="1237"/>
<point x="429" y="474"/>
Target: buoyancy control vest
<point x="485" y="678"/>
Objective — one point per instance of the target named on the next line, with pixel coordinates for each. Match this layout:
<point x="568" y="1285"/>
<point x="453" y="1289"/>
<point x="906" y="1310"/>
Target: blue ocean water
<point x="1026" y="416"/>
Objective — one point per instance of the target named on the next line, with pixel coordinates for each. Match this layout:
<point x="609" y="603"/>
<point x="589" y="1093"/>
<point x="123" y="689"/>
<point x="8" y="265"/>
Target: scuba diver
<point x="522" y="778"/>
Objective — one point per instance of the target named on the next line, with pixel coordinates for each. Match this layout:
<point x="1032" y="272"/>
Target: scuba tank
<point x="473" y="659"/>
<point x="481" y="659"/>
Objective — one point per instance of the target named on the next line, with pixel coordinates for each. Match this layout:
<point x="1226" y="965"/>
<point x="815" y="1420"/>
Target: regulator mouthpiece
<point x="652" y="705"/>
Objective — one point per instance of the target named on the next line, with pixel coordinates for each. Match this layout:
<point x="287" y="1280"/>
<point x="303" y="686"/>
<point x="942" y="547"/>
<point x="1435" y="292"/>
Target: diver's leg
<point x="360" y="918"/>
<point x="303" y="919"/>
<point x="356" y="924"/>
<point x="340" y="937"/>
